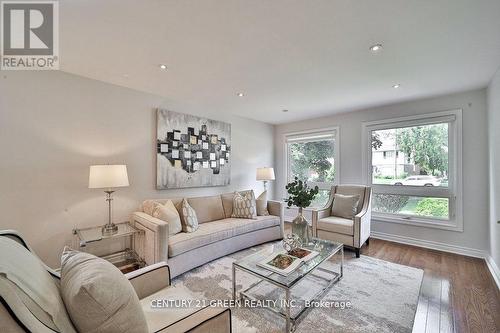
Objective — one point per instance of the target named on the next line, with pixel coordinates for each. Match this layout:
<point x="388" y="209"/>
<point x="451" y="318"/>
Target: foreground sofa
<point x="218" y="234"/>
<point x="19" y="314"/>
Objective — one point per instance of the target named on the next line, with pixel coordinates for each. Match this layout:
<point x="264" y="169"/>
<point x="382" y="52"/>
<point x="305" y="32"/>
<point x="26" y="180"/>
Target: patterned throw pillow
<point x="189" y="218"/>
<point x="244" y="205"/>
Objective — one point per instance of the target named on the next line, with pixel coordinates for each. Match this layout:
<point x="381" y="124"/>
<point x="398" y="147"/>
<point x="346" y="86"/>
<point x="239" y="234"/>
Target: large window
<point x="413" y="165"/>
<point x="313" y="157"/>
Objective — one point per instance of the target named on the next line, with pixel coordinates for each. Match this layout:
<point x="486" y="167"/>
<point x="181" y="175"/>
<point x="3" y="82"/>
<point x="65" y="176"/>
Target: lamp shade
<point x="108" y="176"/>
<point x="265" y="174"/>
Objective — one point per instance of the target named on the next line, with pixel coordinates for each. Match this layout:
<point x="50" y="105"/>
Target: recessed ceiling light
<point x="240" y="94"/>
<point x="163" y="66"/>
<point x="284" y="110"/>
<point x="396" y="86"/>
<point x="376" y="48"/>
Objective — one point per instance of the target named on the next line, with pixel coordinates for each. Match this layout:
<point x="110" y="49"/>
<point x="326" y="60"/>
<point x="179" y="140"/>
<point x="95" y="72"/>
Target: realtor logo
<point x="29" y="35"/>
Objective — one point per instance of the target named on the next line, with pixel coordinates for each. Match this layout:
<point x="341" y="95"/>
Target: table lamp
<point x="265" y="175"/>
<point x="108" y="177"/>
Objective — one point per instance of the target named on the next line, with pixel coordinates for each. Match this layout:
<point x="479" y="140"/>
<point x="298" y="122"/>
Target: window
<point x="414" y="167"/>
<point x="313" y="157"/>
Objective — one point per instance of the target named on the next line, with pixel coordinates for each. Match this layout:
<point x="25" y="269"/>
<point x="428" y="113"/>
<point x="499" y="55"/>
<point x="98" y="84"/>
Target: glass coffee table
<point x="291" y="310"/>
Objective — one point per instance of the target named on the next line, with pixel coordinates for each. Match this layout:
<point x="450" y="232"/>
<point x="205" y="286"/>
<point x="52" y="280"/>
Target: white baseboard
<point x="465" y="251"/>
<point x="495" y="271"/>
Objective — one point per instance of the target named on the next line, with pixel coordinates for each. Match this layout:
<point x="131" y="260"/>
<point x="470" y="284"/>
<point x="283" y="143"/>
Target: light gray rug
<point x="383" y="295"/>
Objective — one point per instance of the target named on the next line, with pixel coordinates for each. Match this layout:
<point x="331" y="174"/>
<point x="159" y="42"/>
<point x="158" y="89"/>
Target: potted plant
<point x="301" y="196"/>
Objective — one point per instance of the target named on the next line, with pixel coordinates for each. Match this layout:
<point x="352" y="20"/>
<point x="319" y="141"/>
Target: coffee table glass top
<point x="325" y="248"/>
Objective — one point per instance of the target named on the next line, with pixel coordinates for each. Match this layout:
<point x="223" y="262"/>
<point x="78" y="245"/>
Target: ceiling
<point x="310" y="57"/>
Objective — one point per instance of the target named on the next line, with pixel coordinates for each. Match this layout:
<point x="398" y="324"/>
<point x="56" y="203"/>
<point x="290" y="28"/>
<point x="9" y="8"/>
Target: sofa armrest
<point x="318" y="214"/>
<point x="150" y="279"/>
<point x="277" y="208"/>
<point x="209" y="319"/>
<point x="155" y="237"/>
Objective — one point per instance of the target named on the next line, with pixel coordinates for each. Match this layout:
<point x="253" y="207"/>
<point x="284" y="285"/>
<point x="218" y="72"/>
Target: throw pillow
<point x="262" y="204"/>
<point x="345" y="206"/>
<point x="98" y="297"/>
<point x="169" y="213"/>
<point x="189" y="218"/>
<point x="244" y="205"/>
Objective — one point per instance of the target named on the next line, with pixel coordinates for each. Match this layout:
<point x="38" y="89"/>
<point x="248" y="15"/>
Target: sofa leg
<point x="357" y="252"/>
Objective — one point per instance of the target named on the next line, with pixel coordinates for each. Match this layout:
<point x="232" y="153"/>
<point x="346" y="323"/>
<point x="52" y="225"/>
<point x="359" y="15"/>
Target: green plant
<point x="436" y="207"/>
<point x="299" y="194"/>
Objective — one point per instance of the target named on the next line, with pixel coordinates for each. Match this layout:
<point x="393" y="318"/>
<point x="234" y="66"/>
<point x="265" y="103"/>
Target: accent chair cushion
<point x="244" y="205"/>
<point x="261" y="203"/>
<point x="25" y="280"/>
<point x="336" y="224"/>
<point x="99" y="298"/>
<point x="353" y="190"/>
<point x="189" y="218"/>
<point x="169" y="213"/>
<point x="345" y="206"/>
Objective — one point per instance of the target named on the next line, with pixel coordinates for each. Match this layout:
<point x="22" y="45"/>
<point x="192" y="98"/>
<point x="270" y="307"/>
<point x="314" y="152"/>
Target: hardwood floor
<point x="458" y="293"/>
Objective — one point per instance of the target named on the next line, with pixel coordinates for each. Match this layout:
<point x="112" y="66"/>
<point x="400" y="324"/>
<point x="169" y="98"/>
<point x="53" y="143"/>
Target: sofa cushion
<point x="345" y="206"/>
<point x="207" y="208"/>
<point x="93" y="288"/>
<point x="159" y="315"/>
<point x="189" y="217"/>
<point x="227" y="203"/>
<point x="337" y="224"/>
<point x="169" y="214"/>
<point x="262" y="204"/>
<point x="24" y="274"/>
<point x="215" y="231"/>
<point x="244" y="205"/>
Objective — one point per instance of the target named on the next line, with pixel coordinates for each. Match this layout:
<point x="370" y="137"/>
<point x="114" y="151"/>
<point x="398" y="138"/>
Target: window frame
<point x="454" y="190"/>
<point x="333" y="131"/>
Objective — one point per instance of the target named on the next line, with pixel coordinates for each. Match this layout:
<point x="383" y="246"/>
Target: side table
<point x="126" y="260"/>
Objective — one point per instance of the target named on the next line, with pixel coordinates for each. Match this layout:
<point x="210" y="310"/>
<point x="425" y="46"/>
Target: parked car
<point x="420" y="180"/>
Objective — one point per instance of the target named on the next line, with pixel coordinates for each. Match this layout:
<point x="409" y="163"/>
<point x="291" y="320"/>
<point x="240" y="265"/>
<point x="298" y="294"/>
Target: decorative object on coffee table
<point x="301" y="196"/>
<point x="108" y="177"/>
<point x="291" y="242"/>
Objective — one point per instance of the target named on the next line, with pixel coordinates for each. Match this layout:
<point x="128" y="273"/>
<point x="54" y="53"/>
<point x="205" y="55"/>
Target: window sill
<point x="416" y="222"/>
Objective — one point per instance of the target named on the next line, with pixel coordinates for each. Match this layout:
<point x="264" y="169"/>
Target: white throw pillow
<point x="169" y="213"/>
<point x="189" y="218"/>
<point x="261" y="203"/>
<point x="98" y="297"/>
<point x="244" y="205"/>
<point x="345" y="206"/>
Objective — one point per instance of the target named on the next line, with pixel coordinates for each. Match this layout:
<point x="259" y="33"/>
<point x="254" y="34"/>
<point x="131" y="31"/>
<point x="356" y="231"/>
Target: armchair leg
<point x="357" y="252"/>
<point x="368" y="241"/>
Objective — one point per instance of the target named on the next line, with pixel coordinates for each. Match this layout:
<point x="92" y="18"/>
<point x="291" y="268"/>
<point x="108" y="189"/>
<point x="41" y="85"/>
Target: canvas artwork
<point x="192" y="151"/>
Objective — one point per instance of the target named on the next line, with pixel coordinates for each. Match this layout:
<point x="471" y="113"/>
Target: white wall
<point x="475" y="157"/>
<point x="54" y="125"/>
<point x="494" y="146"/>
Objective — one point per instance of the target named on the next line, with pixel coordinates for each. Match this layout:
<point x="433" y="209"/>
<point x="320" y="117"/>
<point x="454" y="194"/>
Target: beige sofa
<point x="218" y="234"/>
<point x="351" y="232"/>
<point x="18" y="314"/>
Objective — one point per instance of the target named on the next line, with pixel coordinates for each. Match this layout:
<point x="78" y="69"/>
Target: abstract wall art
<point x="192" y="151"/>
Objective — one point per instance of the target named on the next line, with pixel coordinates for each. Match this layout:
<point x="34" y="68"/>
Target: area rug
<point x="382" y="296"/>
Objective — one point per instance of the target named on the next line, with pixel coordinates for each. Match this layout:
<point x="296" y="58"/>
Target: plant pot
<point x="300" y="227"/>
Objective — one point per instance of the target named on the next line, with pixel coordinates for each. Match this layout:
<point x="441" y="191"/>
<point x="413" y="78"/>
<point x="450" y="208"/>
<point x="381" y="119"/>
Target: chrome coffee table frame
<point x="249" y="265"/>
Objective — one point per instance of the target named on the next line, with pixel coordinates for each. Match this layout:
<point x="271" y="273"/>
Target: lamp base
<point x="109" y="229"/>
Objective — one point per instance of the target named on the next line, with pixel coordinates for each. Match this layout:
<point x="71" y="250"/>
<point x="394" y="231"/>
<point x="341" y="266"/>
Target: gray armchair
<point x="351" y="232"/>
<point x="18" y="314"/>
